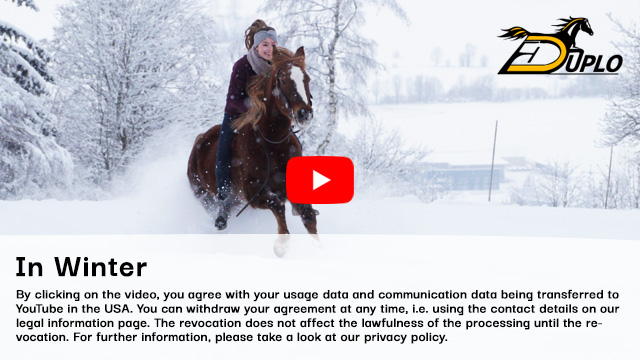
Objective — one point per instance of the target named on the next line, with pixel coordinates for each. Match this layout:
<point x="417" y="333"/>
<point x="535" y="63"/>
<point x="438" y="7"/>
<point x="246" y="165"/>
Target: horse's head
<point x="586" y="27"/>
<point x="575" y="23"/>
<point x="292" y="86"/>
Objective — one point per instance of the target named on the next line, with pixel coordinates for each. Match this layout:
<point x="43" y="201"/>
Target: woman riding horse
<point x="262" y="145"/>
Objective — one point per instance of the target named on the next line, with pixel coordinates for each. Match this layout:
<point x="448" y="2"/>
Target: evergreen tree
<point x="32" y="164"/>
<point x="22" y="59"/>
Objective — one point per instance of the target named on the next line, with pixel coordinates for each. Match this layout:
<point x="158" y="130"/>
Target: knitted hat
<point x="263" y="34"/>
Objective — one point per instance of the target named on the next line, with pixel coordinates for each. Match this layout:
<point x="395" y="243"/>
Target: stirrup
<point x="223" y="213"/>
<point x="221" y="222"/>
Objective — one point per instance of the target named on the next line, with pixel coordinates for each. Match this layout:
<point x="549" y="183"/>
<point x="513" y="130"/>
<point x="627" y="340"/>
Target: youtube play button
<point x="320" y="180"/>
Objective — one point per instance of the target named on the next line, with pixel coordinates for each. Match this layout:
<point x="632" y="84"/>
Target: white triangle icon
<point x="319" y="179"/>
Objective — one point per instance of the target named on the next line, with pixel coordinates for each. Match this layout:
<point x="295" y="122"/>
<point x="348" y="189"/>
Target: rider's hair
<point x="258" y="25"/>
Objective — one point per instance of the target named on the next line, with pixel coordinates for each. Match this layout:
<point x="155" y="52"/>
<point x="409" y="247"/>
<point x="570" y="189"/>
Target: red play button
<point x="320" y="180"/>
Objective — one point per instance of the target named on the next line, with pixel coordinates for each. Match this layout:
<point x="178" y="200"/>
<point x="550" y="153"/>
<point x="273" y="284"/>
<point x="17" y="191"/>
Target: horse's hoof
<point x="221" y="223"/>
<point x="280" y="250"/>
<point x="281" y="245"/>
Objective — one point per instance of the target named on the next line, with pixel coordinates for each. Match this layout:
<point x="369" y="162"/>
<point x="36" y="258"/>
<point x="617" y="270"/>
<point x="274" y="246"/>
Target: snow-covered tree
<point x="433" y="89"/>
<point x="467" y="55"/>
<point x="558" y="185"/>
<point x="126" y="69"/>
<point x="436" y="56"/>
<point x="32" y="164"/>
<point x="22" y="58"/>
<point x="554" y="184"/>
<point x="525" y="194"/>
<point x="415" y="89"/>
<point x="397" y="81"/>
<point x="339" y="58"/>
<point x="382" y="159"/>
<point x="622" y="122"/>
<point x="622" y="191"/>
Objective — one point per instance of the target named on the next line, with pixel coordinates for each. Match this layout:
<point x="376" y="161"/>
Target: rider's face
<point x="265" y="48"/>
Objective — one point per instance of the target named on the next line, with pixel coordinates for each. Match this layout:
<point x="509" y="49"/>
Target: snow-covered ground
<point x="178" y="213"/>
<point x="158" y="200"/>
<point x="540" y="130"/>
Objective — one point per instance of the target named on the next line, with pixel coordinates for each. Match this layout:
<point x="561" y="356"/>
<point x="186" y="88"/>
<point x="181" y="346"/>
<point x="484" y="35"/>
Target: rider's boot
<point x="224" y="209"/>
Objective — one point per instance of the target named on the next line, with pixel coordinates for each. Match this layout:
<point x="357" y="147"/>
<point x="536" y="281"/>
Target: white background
<point x="347" y="263"/>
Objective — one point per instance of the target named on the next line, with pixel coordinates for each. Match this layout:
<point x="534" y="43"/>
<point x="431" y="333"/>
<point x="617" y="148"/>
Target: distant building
<point x="520" y="163"/>
<point x="464" y="177"/>
<point x="468" y="171"/>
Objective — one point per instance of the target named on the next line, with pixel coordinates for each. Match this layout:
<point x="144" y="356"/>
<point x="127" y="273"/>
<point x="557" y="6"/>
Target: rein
<point x="287" y="137"/>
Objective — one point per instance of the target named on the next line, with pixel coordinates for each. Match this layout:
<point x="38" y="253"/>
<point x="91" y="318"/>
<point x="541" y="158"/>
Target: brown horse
<point x="262" y="145"/>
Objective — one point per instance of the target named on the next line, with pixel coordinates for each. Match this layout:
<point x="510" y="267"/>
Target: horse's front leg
<point x="308" y="215"/>
<point x="276" y="204"/>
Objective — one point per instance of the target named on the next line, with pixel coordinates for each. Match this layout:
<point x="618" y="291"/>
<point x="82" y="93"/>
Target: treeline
<point x="562" y="184"/>
<point x="431" y="89"/>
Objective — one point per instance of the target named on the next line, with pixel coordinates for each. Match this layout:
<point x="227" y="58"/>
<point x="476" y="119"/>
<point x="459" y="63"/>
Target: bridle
<point x="259" y="131"/>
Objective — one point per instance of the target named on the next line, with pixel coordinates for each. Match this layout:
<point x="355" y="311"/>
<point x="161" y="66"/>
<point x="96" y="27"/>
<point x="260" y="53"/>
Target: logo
<point x="320" y="180"/>
<point x="547" y="53"/>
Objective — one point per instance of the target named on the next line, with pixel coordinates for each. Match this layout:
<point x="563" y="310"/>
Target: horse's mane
<point x="567" y="23"/>
<point x="257" y="86"/>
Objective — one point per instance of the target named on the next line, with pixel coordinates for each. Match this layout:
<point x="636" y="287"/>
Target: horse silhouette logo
<point x="564" y="39"/>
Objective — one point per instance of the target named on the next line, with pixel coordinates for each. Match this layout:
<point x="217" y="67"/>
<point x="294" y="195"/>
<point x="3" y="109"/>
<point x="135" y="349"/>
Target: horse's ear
<point x="276" y="50"/>
<point x="300" y="51"/>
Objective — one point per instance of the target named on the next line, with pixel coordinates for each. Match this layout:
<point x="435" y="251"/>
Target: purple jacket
<point x="242" y="72"/>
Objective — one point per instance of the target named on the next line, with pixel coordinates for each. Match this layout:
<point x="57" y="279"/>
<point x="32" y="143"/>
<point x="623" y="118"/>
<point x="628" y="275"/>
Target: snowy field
<point x="540" y="130"/>
<point x="156" y="199"/>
